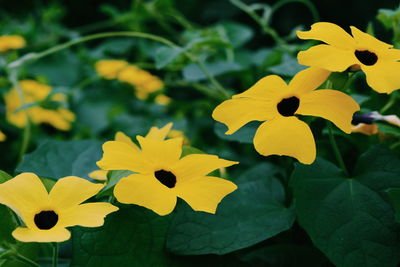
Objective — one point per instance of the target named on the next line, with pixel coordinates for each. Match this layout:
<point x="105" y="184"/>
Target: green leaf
<point x="388" y="129"/>
<point x="165" y="55"/>
<point x="57" y="159"/>
<point x="394" y="194"/>
<point x="4" y="176"/>
<point x="133" y="236"/>
<point x="251" y="214"/>
<point x="350" y="220"/>
<point x="288" y="66"/>
<point x="243" y="135"/>
<point x="113" y="178"/>
<point x="187" y="150"/>
<point x="193" y="73"/>
<point x="237" y="34"/>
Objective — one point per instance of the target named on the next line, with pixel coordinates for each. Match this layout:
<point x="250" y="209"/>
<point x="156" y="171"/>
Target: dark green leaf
<point x="251" y="214"/>
<point x="394" y="194"/>
<point x="237" y="34"/>
<point x="288" y="66"/>
<point x="165" y="55"/>
<point x="350" y="220"/>
<point x="193" y="73"/>
<point x="243" y="135"/>
<point x="57" y="159"/>
<point x="113" y="178"/>
<point x="133" y="236"/>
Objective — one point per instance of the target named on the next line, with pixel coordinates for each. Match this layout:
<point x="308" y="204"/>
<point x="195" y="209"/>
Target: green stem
<point x="348" y="82"/>
<point x="308" y="4"/>
<point x="389" y="104"/>
<point x="267" y="29"/>
<point x="55" y="254"/>
<point x="336" y="150"/>
<point x="35" y="56"/>
<point x="25" y="260"/>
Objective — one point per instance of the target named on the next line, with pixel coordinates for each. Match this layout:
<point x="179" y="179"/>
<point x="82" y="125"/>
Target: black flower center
<point x="166" y="178"/>
<point x="288" y="106"/>
<point x="46" y="219"/>
<point x="366" y="57"/>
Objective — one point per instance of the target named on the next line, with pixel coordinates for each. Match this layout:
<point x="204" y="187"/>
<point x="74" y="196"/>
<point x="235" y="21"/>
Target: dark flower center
<point x="46" y="219"/>
<point x="288" y="106"/>
<point x="166" y="178"/>
<point x="366" y="57"/>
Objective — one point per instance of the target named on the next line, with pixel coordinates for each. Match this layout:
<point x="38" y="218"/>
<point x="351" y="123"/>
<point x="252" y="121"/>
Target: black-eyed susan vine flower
<point x="378" y="60"/>
<point x="8" y="42"/>
<point x="277" y="103"/>
<point x="161" y="175"/>
<point x="35" y="92"/>
<point x="46" y="215"/>
<point x="154" y="133"/>
<point x="2" y="136"/>
<point x="144" y="82"/>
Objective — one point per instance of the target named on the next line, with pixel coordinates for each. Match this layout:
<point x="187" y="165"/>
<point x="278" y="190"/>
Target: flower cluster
<point x="37" y="104"/>
<point x="144" y="82"/>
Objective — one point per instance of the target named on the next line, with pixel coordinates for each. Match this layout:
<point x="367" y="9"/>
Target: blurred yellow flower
<point x="2" y="136"/>
<point x="162" y="99"/>
<point x="378" y="60"/>
<point x="161" y="175"/>
<point x="8" y="42"/>
<point x="46" y="215"/>
<point x="110" y="69"/>
<point x="34" y="91"/>
<point x="144" y="82"/>
<point x="276" y="103"/>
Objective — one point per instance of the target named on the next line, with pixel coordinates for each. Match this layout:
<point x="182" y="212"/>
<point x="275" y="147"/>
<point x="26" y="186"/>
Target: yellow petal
<point x="121" y="137"/>
<point x="87" y="215"/>
<point x="383" y="77"/>
<point x="100" y="175"/>
<point x="235" y="113"/>
<point x="24" y="194"/>
<point x="2" y="136"/>
<point x="197" y="165"/>
<point x="71" y="190"/>
<point x="366" y="41"/>
<point x="328" y="33"/>
<point x="331" y="105"/>
<point x="268" y="87"/>
<point x="161" y="153"/>
<point x="146" y="191"/>
<point x="367" y="129"/>
<point x="159" y="133"/>
<point x="308" y="80"/>
<point x="56" y="234"/>
<point x="11" y="42"/>
<point x="286" y="136"/>
<point x="327" y="57"/>
<point x="121" y="156"/>
<point x="205" y="193"/>
<point x="110" y="69"/>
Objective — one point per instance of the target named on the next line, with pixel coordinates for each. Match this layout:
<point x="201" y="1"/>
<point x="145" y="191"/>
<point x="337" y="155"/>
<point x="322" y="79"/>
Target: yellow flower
<point x="161" y="175"/>
<point x="378" y="60"/>
<point x="8" y="42"/>
<point x="162" y="99"/>
<point x="60" y="118"/>
<point x="46" y="215"/>
<point x="110" y="68"/>
<point x="2" y="136"/>
<point x="277" y="103"/>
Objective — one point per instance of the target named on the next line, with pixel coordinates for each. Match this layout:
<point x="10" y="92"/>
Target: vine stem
<point x="55" y="254"/>
<point x="336" y="150"/>
<point x="35" y="56"/>
<point x="25" y="260"/>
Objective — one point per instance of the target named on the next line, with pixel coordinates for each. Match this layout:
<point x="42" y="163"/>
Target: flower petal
<point x="383" y="77"/>
<point x="24" y="194"/>
<point x="235" y="113"/>
<point x="327" y="57"/>
<point x="70" y="191"/>
<point x="286" y="136"/>
<point x="159" y="133"/>
<point x="268" y="87"/>
<point x="308" y="80"/>
<point x="100" y="175"/>
<point x="205" y="193"/>
<point x="159" y="152"/>
<point x="56" y="234"/>
<point x="366" y="41"/>
<point x="87" y="215"/>
<point x="331" y="105"/>
<point x="146" y="191"/>
<point x="121" y="156"/>
<point x="328" y="33"/>
<point x="196" y="165"/>
<point x="121" y="137"/>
